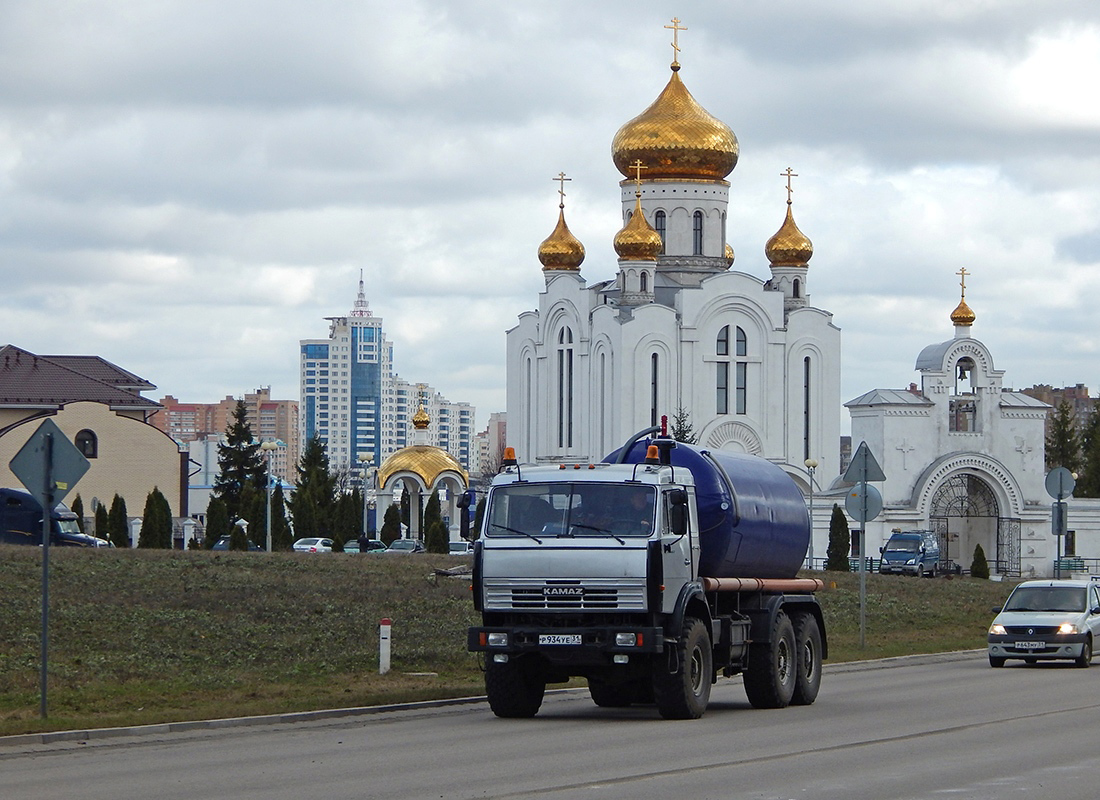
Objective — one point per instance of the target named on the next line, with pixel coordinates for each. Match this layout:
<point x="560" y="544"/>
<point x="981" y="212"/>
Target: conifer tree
<point x="240" y="462"/>
<point x="391" y="525"/>
<point x="156" y="522"/>
<point x="1063" y="445"/>
<point x="217" y="522"/>
<point x="979" y="567"/>
<point x="681" y="428"/>
<point x="436" y="535"/>
<point x="118" y="523"/>
<point x="78" y="508"/>
<point x="840" y="542"/>
<point x="1088" y="482"/>
<point x="312" y="505"/>
<point x="102" y="523"/>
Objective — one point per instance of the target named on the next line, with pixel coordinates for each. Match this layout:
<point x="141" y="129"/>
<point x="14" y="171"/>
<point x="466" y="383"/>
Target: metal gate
<point x="969" y="496"/>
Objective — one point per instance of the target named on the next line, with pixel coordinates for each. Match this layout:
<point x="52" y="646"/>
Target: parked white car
<point x="313" y="546"/>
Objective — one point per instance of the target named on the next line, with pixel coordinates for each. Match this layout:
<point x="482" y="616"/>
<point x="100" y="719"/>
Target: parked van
<point x="911" y="553"/>
<point x="21" y="523"/>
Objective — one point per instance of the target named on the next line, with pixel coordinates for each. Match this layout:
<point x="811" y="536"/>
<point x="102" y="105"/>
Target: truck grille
<point x="571" y="595"/>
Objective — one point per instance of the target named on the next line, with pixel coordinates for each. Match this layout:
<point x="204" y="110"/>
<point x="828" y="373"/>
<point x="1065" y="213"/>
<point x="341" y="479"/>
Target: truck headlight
<point x="497" y="639"/>
<point x="911" y="562"/>
<point x="626" y="639"/>
<point x="997" y="629"/>
<point x="1067" y="627"/>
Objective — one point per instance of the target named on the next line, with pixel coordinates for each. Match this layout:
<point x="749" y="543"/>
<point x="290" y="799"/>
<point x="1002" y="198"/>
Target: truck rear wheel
<point x="773" y="667"/>
<point x="514" y="687"/>
<point x="685" y="693"/>
<point x="807" y="644"/>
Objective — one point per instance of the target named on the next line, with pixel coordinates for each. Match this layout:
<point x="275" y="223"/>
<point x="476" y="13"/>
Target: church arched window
<point x="645" y="282"/>
<point x="806" y="407"/>
<point x="722" y="371"/>
<point x="964" y="402"/>
<point x="796" y="290"/>
<point x="697" y="233"/>
<point x="742" y="342"/>
<point x="87" y="443"/>
<point x="565" y="388"/>
<point x="653" y="388"/>
<point x="659" y="226"/>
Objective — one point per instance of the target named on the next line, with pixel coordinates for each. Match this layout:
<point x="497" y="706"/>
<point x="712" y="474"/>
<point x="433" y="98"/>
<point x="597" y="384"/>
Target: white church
<point x="675" y="327"/>
<point x="757" y="367"/>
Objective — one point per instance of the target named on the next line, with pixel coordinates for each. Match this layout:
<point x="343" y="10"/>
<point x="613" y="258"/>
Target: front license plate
<point x="559" y="638"/>
<point x="1030" y="645"/>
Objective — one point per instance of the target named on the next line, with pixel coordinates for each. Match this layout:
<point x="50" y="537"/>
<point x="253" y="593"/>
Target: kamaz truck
<point x="648" y="574"/>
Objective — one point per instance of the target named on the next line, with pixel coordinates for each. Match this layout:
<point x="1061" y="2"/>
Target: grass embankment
<point x="139" y="637"/>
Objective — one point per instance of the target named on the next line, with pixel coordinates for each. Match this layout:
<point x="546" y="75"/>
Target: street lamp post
<point x="811" y="467"/>
<point x="366" y="460"/>
<point x="268" y="448"/>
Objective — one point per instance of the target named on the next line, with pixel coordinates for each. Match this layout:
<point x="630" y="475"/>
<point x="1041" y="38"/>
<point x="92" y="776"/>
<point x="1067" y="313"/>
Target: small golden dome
<point x="424" y="460"/>
<point x="676" y="138"/>
<point x="962" y="315"/>
<point x="789" y="247"/>
<point x="561" y="250"/>
<point x="637" y="241"/>
<point x="729" y="254"/>
<point x="421" y="419"/>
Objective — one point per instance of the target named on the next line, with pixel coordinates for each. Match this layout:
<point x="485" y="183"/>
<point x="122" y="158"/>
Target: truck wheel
<point x="611" y="695"/>
<point x="807" y="645"/>
<point x="515" y="688"/>
<point x="685" y="694"/>
<point x="770" y="678"/>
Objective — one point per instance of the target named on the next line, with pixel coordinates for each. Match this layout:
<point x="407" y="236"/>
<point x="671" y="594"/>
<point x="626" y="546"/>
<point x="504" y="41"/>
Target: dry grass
<point x="138" y="637"/>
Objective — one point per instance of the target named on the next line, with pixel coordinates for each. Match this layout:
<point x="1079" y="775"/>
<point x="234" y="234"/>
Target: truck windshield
<point x="67" y="526"/>
<point x="571" y="510"/>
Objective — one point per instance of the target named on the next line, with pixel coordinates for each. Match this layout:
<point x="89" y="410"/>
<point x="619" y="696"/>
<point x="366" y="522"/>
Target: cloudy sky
<point x="187" y="188"/>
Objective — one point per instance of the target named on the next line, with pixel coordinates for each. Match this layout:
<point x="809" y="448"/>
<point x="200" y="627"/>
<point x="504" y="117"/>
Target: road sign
<point x="49" y="453"/>
<point x="863" y="502"/>
<point x="864" y="467"/>
<point x="1060" y="483"/>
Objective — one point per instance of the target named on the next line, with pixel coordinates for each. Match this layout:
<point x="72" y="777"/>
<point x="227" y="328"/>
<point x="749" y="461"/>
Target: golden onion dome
<point x="421" y="419"/>
<point x="561" y="250"/>
<point x="426" y="461"/>
<point x="676" y="138"/>
<point x="789" y="247"/>
<point x="638" y="241"/>
<point x="962" y="315"/>
<point x="729" y="254"/>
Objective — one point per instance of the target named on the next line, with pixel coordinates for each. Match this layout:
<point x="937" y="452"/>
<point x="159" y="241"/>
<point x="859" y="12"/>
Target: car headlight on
<point x="997" y="629"/>
<point x="1068" y="627"/>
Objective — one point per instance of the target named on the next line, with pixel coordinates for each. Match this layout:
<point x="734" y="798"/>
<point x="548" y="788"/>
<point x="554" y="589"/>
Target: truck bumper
<point x="568" y="645"/>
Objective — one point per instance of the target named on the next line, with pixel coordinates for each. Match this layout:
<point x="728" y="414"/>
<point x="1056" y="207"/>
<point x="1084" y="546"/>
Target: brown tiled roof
<point x="103" y="370"/>
<point x="27" y="379"/>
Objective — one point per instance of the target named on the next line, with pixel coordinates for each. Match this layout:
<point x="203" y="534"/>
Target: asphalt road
<point x="922" y="727"/>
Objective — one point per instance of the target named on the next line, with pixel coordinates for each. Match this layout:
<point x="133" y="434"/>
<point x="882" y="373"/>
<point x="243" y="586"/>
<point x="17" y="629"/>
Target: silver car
<point x="1045" y="620"/>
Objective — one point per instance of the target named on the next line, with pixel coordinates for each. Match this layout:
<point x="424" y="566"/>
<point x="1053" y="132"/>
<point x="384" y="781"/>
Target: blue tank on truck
<point x="752" y="517"/>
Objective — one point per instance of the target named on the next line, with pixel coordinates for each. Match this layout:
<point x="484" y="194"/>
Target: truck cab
<point x="21" y="523"/>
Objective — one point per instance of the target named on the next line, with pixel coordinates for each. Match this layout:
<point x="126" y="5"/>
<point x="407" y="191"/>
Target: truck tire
<point x="807" y="645"/>
<point x="515" y="688"/>
<point x="685" y="693"/>
<point x="611" y="695"/>
<point x="773" y="668"/>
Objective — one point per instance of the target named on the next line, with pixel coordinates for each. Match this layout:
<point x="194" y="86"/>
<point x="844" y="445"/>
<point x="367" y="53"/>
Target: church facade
<point x="962" y="456"/>
<point x="747" y="361"/>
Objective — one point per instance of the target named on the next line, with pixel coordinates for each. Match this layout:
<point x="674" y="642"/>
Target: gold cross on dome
<point x="675" y="28"/>
<point x="962" y="273"/>
<point x="561" y="179"/>
<point x="638" y="166"/>
<point x="789" y="173"/>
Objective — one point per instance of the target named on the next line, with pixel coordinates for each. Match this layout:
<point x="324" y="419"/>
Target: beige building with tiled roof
<point x="99" y="407"/>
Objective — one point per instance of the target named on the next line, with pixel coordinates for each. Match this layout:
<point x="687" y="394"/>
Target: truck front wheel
<point x="807" y="644"/>
<point x="773" y="667"/>
<point x="684" y="694"/>
<point x="514" y="687"/>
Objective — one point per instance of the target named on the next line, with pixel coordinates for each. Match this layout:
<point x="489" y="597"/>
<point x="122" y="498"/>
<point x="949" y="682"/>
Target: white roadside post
<point x="384" y="645"/>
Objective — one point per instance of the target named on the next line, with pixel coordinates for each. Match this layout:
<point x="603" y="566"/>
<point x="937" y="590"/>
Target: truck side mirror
<point x="882" y="549"/>
<point x="677" y="512"/>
